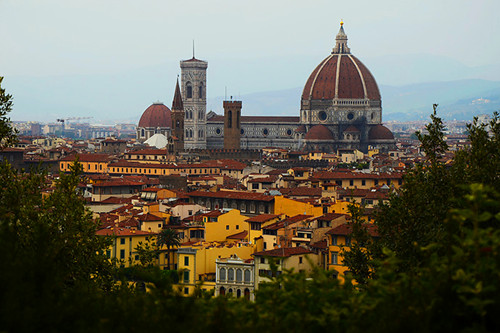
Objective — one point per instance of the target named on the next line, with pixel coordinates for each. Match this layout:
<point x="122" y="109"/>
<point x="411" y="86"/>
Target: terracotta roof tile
<point x="283" y="252"/>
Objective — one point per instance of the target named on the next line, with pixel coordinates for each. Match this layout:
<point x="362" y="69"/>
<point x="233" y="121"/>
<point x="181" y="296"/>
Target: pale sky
<point x="111" y="37"/>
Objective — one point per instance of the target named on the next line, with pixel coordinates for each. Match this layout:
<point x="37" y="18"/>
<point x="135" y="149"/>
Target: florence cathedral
<point x="340" y="108"/>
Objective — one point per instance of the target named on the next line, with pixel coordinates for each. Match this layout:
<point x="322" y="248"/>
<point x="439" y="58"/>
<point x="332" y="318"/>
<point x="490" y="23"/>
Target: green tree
<point x="148" y="252"/>
<point x="8" y="134"/>
<point x="170" y="239"/>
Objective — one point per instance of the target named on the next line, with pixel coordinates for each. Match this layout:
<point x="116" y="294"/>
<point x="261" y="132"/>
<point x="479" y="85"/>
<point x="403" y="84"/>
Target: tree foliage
<point x="7" y="132"/>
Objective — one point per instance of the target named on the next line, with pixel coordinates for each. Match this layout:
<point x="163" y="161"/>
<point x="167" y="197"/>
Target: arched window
<point x="190" y="133"/>
<point x="247" y="275"/>
<point x="142" y="132"/>
<point x="178" y="124"/>
<point x="222" y="291"/>
<point x="201" y="134"/>
<point x="200" y="91"/>
<point x="239" y="275"/>
<point x="229" y="119"/>
<point x="238" y="119"/>
<point x="238" y="293"/>
<point x="247" y="293"/>
<point x="222" y="274"/>
<point x="189" y="90"/>
<point x="187" y="133"/>
<point x="230" y="274"/>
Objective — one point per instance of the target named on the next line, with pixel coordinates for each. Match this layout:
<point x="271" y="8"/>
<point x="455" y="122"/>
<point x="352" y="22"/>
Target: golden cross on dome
<point x="341" y="22"/>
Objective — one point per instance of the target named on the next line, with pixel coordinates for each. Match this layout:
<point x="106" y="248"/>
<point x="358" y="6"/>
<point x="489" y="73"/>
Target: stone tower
<point x="232" y="124"/>
<point x="194" y="96"/>
<point x="178" y="120"/>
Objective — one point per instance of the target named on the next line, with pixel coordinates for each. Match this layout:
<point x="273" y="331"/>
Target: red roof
<point x="149" y="218"/>
<point x="283" y="252"/>
<point x="240" y="235"/>
<point x="345" y="229"/>
<point x="262" y="218"/>
<point x="302" y="191"/>
<point x="232" y="195"/>
<point x="88" y="158"/>
<point x="122" y="232"/>
<point x="380" y="132"/>
<point x="319" y="132"/>
<point x="287" y="222"/>
<point x="260" y="119"/>
<point x="156" y="115"/>
<point x="322" y="81"/>
<point x="116" y="183"/>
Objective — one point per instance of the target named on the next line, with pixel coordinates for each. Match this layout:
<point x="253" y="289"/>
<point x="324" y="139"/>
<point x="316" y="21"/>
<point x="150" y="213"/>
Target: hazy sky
<point x="109" y="37"/>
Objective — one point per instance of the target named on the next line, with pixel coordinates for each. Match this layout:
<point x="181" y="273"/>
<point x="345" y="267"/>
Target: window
<point x="239" y="275"/>
<point x="334" y="240"/>
<point x="334" y="258"/>
<point x="351" y="182"/>
<point x="237" y="119"/>
<point x="227" y="227"/>
<point x="229" y="119"/>
<point x="122" y="254"/>
<point x="222" y="274"/>
<point x="186" y="261"/>
<point x="108" y="253"/>
<point x="122" y="240"/>
<point x="300" y="260"/>
<point x="200" y="92"/>
<point x="186" y="291"/>
<point x="186" y="276"/>
<point x="363" y="182"/>
<point x="262" y="260"/>
<point x="189" y="90"/>
<point x="255" y="186"/>
<point x="348" y="241"/>
<point x="230" y="274"/>
<point x="247" y="275"/>
<point x="238" y="293"/>
<point x="237" y="227"/>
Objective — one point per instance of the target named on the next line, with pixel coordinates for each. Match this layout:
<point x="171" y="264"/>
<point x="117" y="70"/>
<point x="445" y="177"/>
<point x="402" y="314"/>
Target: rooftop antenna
<point x="193" y="48"/>
<point x="225" y="93"/>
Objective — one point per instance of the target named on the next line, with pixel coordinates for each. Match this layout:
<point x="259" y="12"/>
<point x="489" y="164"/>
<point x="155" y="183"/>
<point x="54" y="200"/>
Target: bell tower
<point x="232" y="124"/>
<point x="194" y="97"/>
<point x="178" y="120"/>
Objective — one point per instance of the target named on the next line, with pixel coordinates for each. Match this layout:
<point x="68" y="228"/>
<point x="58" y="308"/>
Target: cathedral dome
<point x="319" y="132"/>
<point x="157" y="115"/>
<point x="380" y="132"/>
<point x="341" y="76"/>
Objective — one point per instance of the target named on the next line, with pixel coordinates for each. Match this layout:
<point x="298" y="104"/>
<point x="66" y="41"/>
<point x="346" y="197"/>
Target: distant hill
<point x="459" y="100"/>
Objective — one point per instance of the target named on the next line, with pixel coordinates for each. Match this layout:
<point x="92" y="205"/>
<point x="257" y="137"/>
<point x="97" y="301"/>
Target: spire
<point x="177" y="102"/>
<point x="341" y="42"/>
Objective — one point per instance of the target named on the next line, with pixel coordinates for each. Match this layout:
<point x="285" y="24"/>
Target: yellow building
<point x="290" y="207"/>
<point x="339" y="240"/>
<point x="125" y="242"/>
<point x="219" y="225"/>
<point x="256" y="223"/>
<point x="91" y="163"/>
<point x="298" y="259"/>
<point x="197" y="264"/>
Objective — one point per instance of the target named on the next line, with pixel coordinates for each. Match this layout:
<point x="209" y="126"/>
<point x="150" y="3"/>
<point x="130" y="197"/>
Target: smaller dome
<point x="157" y="115"/>
<point x="380" y="132"/>
<point x="319" y="132"/>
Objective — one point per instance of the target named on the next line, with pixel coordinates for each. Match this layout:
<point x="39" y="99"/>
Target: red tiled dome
<point x="319" y="132"/>
<point x="380" y="132"/>
<point x="157" y="115"/>
<point x="351" y="129"/>
<point x="322" y="83"/>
